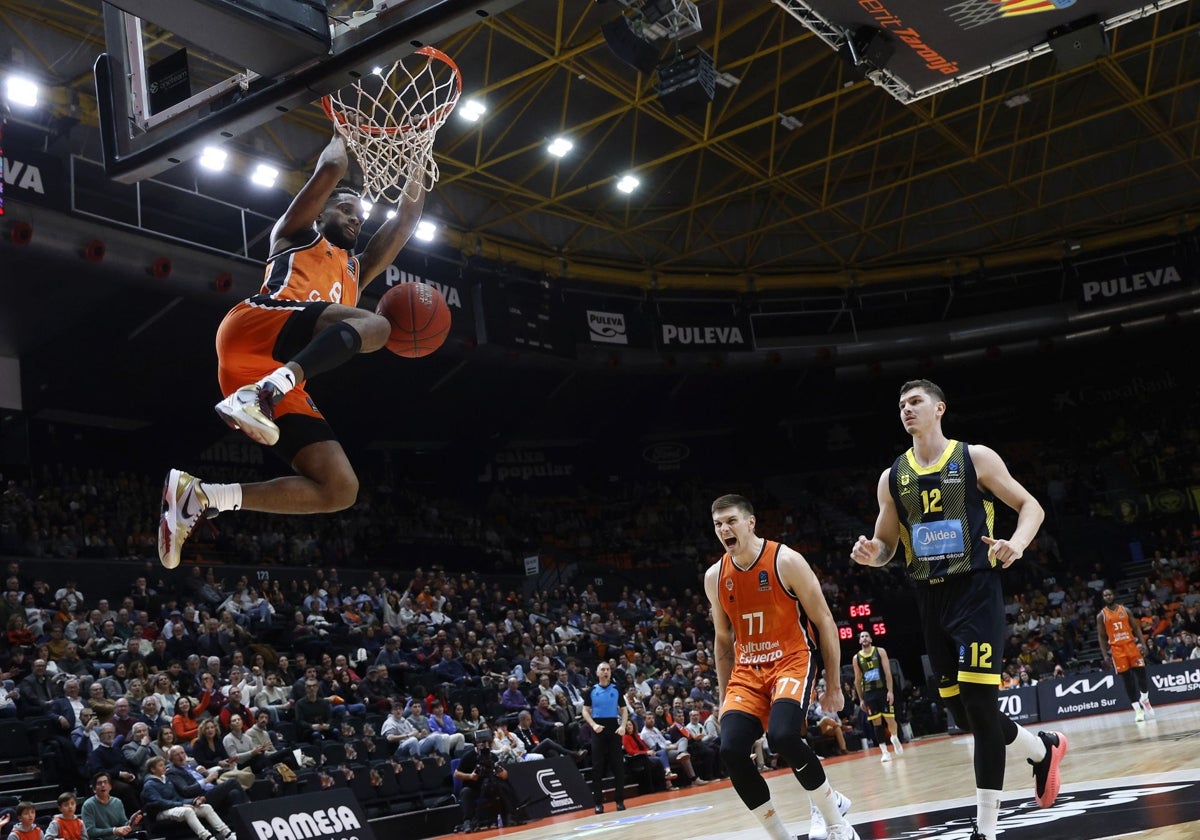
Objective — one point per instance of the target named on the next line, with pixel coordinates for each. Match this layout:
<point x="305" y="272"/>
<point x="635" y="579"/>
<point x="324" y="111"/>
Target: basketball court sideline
<point x="1120" y="779"/>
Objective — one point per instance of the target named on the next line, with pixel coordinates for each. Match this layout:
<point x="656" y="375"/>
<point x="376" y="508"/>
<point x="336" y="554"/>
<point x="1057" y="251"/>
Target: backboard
<point x="278" y="55"/>
<point x="917" y="48"/>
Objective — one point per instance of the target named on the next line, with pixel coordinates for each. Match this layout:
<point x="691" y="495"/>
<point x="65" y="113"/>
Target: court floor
<point x="1120" y="779"/>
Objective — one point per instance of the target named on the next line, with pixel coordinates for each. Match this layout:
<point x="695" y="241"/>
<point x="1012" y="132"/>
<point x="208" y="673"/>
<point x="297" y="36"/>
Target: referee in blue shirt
<point x="605" y="711"/>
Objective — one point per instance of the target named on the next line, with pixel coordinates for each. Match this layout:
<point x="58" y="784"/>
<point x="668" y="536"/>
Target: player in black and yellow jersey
<point x="873" y="682"/>
<point x="938" y="500"/>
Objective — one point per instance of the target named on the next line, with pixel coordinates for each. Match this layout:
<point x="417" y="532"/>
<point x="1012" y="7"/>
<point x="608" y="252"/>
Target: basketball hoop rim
<point x="430" y="52"/>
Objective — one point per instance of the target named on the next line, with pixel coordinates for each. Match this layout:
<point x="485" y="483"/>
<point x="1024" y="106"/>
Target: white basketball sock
<point x="825" y="799"/>
<point x="1027" y="745"/>
<point x="224" y="496"/>
<point x="771" y="821"/>
<point x="987" y="803"/>
<point x="282" y="378"/>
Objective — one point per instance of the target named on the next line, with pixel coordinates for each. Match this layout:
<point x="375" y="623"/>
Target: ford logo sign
<point x="666" y="454"/>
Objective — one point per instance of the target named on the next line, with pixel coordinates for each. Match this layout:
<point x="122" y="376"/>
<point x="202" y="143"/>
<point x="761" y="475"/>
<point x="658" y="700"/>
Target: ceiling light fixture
<point x="425" y="231"/>
<point x="22" y="90"/>
<point x="559" y="146"/>
<point x="628" y="183"/>
<point x="265" y="175"/>
<point x="472" y="110"/>
<point x="213" y="158"/>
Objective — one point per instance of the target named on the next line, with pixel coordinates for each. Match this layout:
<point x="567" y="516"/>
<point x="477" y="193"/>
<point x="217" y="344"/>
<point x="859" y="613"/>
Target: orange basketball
<point x="419" y="317"/>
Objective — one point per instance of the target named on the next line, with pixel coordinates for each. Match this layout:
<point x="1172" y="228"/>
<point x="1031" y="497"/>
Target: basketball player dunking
<point x="1121" y="640"/>
<point x="303" y="322"/>
<point x="769" y="615"/>
<point x="938" y="499"/>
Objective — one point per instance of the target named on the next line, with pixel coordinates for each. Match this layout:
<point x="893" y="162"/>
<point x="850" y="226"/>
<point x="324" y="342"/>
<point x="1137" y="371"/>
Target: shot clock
<point x="861" y="616"/>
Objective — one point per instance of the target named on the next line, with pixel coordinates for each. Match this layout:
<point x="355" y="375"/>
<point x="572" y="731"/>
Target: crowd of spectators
<point x="222" y="674"/>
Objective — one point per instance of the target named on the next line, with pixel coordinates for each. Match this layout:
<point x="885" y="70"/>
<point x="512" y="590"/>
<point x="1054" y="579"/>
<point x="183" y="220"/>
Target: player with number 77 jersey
<point x="770" y="615"/>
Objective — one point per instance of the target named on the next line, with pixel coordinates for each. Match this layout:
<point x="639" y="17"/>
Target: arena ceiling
<point x="1023" y="159"/>
<point x="1012" y="167"/>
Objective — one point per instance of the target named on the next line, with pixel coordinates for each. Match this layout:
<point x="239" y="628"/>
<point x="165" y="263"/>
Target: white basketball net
<point x="390" y="119"/>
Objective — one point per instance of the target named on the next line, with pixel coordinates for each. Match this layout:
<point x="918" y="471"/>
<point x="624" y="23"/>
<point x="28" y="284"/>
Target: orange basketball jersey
<point x="1117" y="625"/>
<point x="769" y="625"/>
<point x="772" y="638"/>
<point x="318" y="271"/>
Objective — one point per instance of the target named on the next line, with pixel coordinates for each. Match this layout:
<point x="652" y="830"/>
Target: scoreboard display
<point x="526" y="316"/>
<point x="859" y="617"/>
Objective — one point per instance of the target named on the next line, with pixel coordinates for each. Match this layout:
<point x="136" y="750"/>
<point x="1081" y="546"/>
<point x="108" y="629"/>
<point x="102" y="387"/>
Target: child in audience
<point x="66" y="825"/>
<point x="26" y="827"/>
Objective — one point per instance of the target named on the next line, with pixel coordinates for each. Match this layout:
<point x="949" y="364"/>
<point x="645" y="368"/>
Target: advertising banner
<point x="923" y="44"/>
<point x="1020" y="704"/>
<point x="1101" y="286"/>
<point x="1174" y="681"/>
<point x="1079" y="696"/>
<point x="610" y="323"/>
<point x="550" y="787"/>
<point x="707" y="328"/>
<point x="332" y="814"/>
<point x="31" y="175"/>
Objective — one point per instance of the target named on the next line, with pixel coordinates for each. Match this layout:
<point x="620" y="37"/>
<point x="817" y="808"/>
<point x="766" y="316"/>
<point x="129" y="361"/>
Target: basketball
<point x="419" y="317"/>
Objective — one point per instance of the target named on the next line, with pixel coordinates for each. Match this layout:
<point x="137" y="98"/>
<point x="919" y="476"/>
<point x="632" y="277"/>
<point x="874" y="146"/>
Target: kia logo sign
<point x="666" y="456"/>
<point x="1084" y="686"/>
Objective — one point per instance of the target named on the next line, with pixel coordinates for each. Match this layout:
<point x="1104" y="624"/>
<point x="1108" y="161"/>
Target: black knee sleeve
<point x="785" y="731"/>
<point x="1143" y="684"/>
<point x="739" y="731"/>
<point x="331" y="347"/>
<point x="983" y="711"/>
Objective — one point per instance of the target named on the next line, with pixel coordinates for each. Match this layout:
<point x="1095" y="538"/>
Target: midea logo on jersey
<point x="942" y="537"/>
<point x="606" y="327"/>
<point x="393" y="276"/>
<point x="23" y="176"/>
<point x="721" y="336"/>
<point x="1084" y="686"/>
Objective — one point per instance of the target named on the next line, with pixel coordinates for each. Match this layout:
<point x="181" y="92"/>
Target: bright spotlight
<point x="265" y="175"/>
<point x="22" y="90"/>
<point x="213" y="158"/>
<point x="628" y="183"/>
<point x="472" y="110"/>
<point x="559" y="146"/>
<point x="426" y="231"/>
